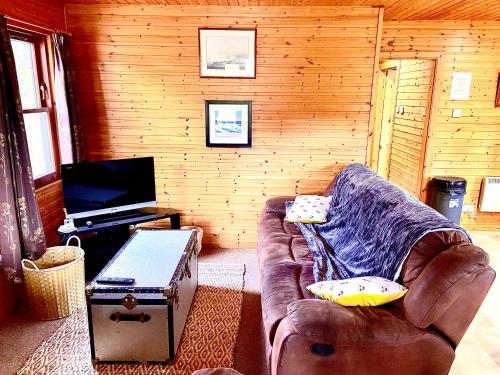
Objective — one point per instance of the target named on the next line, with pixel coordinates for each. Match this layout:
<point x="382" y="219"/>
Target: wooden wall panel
<point x="408" y="130"/>
<point x="51" y="205"/>
<point x="140" y="94"/>
<point x="45" y="13"/>
<point x="468" y="146"/>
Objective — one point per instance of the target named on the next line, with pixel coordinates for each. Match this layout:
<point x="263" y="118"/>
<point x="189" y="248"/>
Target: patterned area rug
<point x="208" y="339"/>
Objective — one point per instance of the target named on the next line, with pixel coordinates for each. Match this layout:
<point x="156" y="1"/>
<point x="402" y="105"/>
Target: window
<point x="31" y="58"/>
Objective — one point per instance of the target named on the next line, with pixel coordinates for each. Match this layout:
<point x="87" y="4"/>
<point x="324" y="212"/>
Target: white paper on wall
<point x="460" y="86"/>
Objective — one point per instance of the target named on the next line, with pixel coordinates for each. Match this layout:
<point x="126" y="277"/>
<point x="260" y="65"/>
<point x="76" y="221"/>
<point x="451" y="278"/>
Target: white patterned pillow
<point x="359" y="291"/>
<point x="309" y="209"/>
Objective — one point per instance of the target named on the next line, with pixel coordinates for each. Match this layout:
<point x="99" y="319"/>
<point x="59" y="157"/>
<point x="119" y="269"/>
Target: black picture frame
<point x="228" y="139"/>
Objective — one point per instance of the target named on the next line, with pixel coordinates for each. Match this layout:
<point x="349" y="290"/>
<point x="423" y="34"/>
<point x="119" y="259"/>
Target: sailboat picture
<point x="228" y="123"/>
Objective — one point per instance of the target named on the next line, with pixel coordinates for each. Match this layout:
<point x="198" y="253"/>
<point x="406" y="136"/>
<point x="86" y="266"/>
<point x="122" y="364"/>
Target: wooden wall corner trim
<point x="50" y="202"/>
<point x="376" y="63"/>
<point x="431" y="128"/>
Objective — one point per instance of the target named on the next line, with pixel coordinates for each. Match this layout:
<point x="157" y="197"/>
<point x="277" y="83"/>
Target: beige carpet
<point x="209" y="338"/>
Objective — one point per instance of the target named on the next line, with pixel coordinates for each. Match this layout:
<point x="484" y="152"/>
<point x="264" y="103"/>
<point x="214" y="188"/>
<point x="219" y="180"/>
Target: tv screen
<point x="108" y="186"/>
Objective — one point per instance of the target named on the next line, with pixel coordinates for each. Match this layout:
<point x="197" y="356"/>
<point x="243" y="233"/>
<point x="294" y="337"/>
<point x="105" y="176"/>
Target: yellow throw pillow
<point x="359" y="291"/>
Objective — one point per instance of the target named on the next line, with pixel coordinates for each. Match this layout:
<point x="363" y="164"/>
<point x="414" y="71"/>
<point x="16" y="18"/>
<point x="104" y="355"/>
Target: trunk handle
<point x="118" y="317"/>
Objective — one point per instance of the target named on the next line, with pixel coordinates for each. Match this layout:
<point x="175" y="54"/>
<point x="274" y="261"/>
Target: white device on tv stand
<point x="68" y="226"/>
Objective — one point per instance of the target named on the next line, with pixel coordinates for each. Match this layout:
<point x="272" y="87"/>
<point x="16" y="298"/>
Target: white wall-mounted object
<point x="468" y="208"/>
<point x="490" y="195"/>
<point x="457" y="112"/>
<point x="460" y="86"/>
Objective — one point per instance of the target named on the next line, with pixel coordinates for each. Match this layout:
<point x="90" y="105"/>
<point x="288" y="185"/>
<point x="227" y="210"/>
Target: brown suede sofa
<point x="447" y="279"/>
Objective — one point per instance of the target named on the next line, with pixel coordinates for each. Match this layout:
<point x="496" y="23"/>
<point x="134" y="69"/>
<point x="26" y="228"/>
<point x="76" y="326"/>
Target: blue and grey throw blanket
<point x="372" y="225"/>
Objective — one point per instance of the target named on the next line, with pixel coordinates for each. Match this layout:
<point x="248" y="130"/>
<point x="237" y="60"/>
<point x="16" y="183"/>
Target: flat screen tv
<point x="108" y="186"/>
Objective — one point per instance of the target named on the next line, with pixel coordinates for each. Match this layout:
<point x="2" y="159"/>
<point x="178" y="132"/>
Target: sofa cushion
<point x="359" y="291"/>
<point x="285" y="263"/>
<point x="281" y="241"/>
<point x="291" y="229"/>
<point x="273" y="225"/>
<point x="280" y="286"/>
<point x="286" y="271"/>
<point x="308" y="209"/>
<point x="276" y="205"/>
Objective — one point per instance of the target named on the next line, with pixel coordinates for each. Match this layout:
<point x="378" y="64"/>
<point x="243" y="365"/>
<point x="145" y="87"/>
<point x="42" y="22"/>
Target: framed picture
<point x="228" y="123"/>
<point x="497" y="100"/>
<point x="227" y="53"/>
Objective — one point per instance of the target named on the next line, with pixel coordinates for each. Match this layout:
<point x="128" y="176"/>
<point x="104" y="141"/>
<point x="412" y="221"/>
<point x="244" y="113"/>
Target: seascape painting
<point x="228" y="123"/>
<point x="228" y="53"/>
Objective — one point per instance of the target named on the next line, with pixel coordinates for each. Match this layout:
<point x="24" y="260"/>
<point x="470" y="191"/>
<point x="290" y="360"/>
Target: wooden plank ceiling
<point x="394" y="9"/>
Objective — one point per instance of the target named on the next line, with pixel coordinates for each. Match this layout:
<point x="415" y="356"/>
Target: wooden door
<point x="400" y="136"/>
<point x="388" y="78"/>
<point x="408" y="142"/>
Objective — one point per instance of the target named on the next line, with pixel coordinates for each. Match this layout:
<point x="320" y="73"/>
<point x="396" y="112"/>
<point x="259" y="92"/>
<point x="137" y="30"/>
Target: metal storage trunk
<point x="144" y="321"/>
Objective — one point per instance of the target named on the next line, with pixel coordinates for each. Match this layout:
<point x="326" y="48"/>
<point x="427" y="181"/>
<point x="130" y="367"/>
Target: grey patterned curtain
<point x="21" y="230"/>
<point x="69" y="128"/>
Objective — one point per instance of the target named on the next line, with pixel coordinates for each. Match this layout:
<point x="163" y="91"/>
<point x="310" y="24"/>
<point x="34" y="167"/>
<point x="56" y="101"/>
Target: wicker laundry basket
<point x="55" y="283"/>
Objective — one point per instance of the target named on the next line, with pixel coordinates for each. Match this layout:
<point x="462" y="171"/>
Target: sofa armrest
<point x="276" y="205"/>
<point x="330" y="322"/>
<point x="321" y="337"/>
<point x="443" y="281"/>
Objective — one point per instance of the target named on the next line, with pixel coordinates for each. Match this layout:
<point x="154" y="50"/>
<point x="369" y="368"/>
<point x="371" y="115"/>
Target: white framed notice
<point x="460" y="86"/>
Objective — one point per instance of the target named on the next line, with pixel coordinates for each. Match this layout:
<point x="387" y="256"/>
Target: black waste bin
<point x="447" y="196"/>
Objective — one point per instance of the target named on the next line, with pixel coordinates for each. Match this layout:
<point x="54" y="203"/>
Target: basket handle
<point x="30" y="263"/>
<point x="78" y="240"/>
